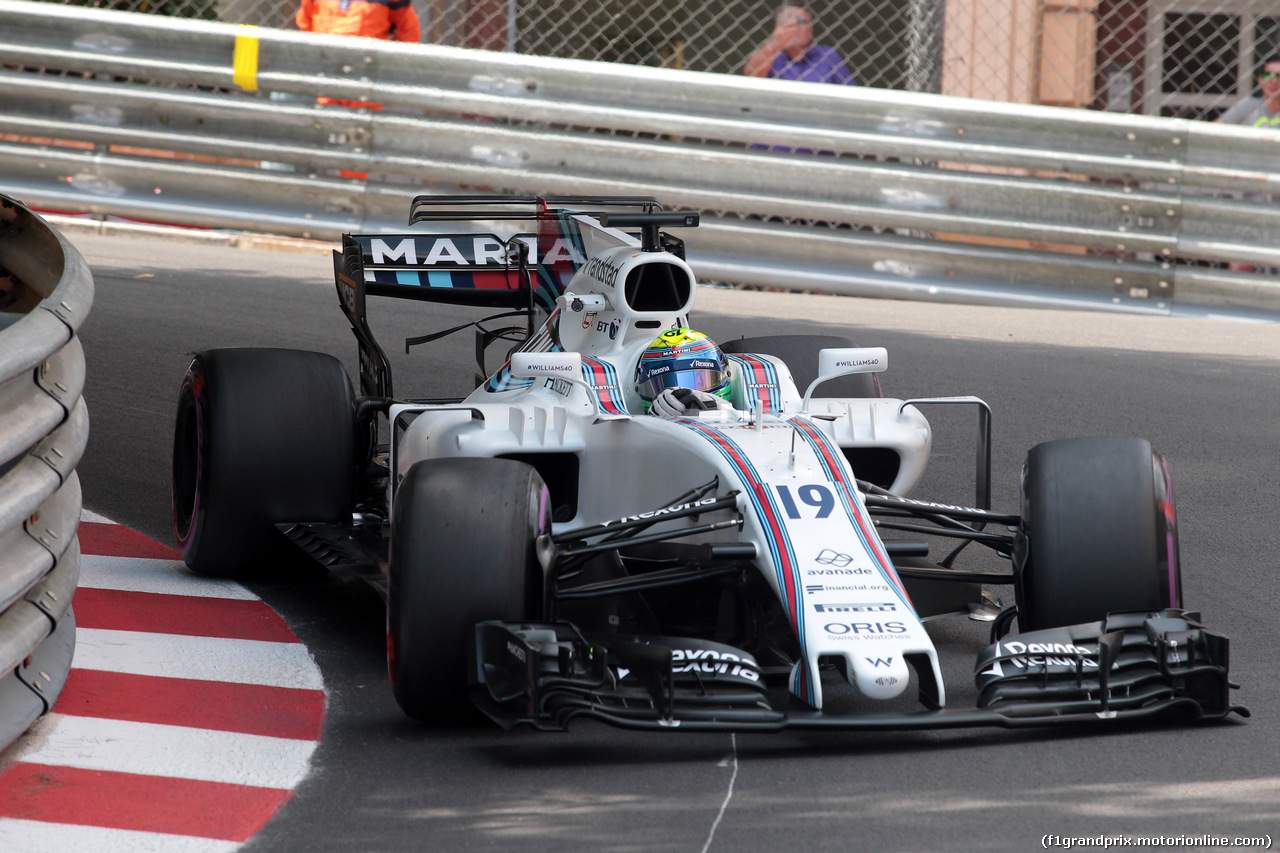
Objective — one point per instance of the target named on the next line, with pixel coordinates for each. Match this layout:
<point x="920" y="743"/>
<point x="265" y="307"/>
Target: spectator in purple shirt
<point x="790" y="53"/>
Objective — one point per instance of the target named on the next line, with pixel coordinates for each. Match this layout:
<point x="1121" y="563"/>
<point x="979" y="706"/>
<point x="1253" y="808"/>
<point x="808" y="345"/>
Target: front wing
<point x="1130" y="666"/>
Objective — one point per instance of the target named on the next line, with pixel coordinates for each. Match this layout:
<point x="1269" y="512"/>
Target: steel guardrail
<point x="1128" y="195"/>
<point x="46" y="291"/>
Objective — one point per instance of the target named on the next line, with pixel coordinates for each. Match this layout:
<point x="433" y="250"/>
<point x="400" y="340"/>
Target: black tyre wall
<point x="262" y="436"/>
<point x="1099" y="532"/>
<point x="800" y="353"/>
<point x="464" y="549"/>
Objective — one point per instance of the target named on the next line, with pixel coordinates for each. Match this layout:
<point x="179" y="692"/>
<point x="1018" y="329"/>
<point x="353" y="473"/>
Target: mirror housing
<point x="845" y="362"/>
<point x="566" y="366"/>
<point x="547" y="365"/>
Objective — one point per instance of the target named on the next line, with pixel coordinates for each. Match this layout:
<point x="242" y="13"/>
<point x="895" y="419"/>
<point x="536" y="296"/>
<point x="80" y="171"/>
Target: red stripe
<point x="765" y="499"/>
<point x="604" y="390"/>
<point x="762" y="380"/>
<point x="495" y="280"/>
<point x="836" y="476"/>
<point x="775" y="527"/>
<point x="192" y="616"/>
<point x="251" y="709"/>
<point x="764" y="389"/>
<point x="139" y="803"/>
<point x="769" y="391"/>
<point x="113" y="540"/>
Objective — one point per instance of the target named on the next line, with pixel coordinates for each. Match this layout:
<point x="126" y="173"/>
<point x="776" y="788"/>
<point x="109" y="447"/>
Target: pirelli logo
<point x="884" y="607"/>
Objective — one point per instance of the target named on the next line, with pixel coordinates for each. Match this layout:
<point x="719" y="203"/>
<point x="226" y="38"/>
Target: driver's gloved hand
<point x="678" y="402"/>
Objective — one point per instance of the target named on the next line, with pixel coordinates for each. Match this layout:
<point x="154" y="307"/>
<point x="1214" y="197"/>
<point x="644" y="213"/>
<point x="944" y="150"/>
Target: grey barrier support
<point x="46" y="291"/>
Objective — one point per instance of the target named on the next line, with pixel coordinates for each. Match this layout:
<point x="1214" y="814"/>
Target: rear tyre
<point x="800" y="354"/>
<point x="1099" y="533"/>
<point x="466" y="541"/>
<point x="262" y="436"/>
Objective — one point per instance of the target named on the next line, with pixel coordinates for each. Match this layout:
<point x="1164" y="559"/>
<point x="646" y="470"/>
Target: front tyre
<point x="1099" y="533"/>
<point x="262" y="436"/>
<point x="468" y="544"/>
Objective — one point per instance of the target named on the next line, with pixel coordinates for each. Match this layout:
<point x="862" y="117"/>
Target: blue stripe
<point x="753" y="394"/>
<point x="815" y="437"/>
<point x="439" y="278"/>
<point x="610" y="398"/>
<point x="771" y="376"/>
<point x="749" y="475"/>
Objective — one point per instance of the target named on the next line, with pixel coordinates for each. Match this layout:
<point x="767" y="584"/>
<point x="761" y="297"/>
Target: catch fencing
<point x="887" y="43"/>
<point x="916" y="195"/>
<point x="46" y="291"/>
<point x="1173" y="58"/>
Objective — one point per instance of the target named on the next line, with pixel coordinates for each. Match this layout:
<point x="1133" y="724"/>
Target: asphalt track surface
<point x="1205" y="392"/>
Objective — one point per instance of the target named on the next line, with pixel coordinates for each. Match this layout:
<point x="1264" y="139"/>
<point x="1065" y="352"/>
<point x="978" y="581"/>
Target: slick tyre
<point x="469" y="541"/>
<point x="800" y="354"/>
<point x="262" y="436"/>
<point x="1099" y="533"/>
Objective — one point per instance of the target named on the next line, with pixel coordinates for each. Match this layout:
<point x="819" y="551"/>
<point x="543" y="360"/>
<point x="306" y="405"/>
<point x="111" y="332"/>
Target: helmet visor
<point x="699" y="379"/>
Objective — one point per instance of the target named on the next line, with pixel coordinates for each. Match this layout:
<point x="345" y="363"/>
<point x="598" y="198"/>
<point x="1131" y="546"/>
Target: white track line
<point x="166" y="577"/>
<point x="35" y="836"/>
<point x="199" y="658"/>
<point x="733" y="740"/>
<point x="177" y="752"/>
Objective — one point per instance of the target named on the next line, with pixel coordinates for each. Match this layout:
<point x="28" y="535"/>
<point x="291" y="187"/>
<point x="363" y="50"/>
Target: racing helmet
<point x="681" y="358"/>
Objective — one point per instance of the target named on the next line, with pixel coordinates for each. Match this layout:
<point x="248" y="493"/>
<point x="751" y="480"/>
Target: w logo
<point x="886" y="662"/>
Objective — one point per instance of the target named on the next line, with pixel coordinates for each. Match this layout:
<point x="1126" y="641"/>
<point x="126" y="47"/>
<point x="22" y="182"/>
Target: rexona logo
<point x="1039" y="655"/>
<point x="855" y="608"/>
<point x="712" y="662"/>
<point x="658" y="513"/>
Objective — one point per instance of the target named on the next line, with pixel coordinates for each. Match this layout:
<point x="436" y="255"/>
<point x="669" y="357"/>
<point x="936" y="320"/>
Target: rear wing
<point x="520" y="258"/>
<point x="462" y="269"/>
<point x="527" y="266"/>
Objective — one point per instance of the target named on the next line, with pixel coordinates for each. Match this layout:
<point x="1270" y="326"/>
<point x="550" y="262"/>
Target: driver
<point x="681" y="373"/>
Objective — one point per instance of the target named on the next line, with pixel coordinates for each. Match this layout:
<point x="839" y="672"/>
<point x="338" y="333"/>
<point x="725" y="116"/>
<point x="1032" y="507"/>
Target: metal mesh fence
<point x="1187" y="58"/>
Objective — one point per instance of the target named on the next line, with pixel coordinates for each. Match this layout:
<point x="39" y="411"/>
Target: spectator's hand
<point x="782" y="33"/>
<point x="791" y="31"/>
<point x="678" y="402"/>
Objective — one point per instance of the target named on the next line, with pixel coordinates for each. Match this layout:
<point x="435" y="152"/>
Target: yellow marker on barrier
<point x="244" y="60"/>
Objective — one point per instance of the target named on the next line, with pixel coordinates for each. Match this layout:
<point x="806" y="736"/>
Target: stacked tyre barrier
<point x="46" y="291"/>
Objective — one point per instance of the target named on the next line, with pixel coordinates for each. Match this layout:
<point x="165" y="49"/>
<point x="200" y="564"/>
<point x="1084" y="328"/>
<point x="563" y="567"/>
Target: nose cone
<point x="882" y="677"/>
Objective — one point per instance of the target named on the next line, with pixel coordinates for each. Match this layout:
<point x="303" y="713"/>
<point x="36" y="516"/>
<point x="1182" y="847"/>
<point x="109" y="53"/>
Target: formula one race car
<point x="629" y="523"/>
